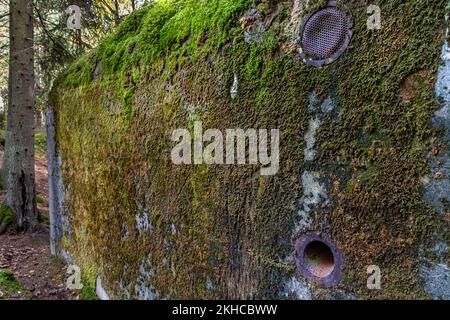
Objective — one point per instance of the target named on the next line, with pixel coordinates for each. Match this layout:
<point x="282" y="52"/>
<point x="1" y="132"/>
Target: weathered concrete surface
<point x="363" y="154"/>
<point x="436" y="272"/>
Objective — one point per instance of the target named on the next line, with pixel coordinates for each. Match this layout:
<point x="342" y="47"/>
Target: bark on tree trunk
<point x="19" y="149"/>
<point x="117" y="12"/>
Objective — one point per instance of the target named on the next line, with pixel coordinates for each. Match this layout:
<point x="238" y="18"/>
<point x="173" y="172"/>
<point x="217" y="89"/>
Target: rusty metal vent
<point x="324" y="36"/>
<point x="318" y="259"/>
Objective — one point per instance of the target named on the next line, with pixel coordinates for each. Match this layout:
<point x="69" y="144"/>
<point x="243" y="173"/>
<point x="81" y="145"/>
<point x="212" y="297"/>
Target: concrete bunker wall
<point x="364" y="155"/>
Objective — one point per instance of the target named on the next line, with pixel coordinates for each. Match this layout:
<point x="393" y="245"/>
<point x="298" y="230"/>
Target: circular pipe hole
<point x="319" y="259"/>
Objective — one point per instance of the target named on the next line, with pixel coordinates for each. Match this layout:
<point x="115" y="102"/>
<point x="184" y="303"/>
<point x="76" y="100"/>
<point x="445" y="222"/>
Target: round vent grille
<point x="324" y="36"/>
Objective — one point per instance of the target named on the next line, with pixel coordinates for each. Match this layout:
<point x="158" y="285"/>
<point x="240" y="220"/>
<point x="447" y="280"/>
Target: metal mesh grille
<point x="325" y="33"/>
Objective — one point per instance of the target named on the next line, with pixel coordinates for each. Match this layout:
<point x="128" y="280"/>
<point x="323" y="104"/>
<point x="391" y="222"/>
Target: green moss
<point x="172" y="64"/>
<point x="6" y="215"/>
<point x="40" y="200"/>
<point x="9" y="286"/>
<point x="146" y="35"/>
<point x="88" y="291"/>
<point x="7" y="279"/>
<point x="40" y="144"/>
<point x="313" y="6"/>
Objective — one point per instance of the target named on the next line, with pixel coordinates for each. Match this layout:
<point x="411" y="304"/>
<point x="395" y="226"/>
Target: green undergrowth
<point x="40" y="144"/>
<point x="40" y="200"/>
<point x="174" y="62"/>
<point x="6" y="214"/>
<point x="169" y="28"/>
<point x="7" y="217"/>
<point x="88" y="290"/>
<point x="10" y="287"/>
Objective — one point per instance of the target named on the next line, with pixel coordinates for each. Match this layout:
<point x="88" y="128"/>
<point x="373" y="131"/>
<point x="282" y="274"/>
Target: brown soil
<point x="41" y="275"/>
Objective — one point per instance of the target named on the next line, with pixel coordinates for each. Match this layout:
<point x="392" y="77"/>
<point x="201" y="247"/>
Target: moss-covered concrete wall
<point x="358" y="152"/>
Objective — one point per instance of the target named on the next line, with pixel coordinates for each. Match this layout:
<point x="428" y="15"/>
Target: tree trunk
<point x="117" y="12"/>
<point x="19" y="149"/>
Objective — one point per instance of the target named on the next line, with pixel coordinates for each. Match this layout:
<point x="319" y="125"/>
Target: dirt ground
<point x="37" y="274"/>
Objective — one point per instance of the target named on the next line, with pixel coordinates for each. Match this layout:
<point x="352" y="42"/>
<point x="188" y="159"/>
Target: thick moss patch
<point x="224" y="231"/>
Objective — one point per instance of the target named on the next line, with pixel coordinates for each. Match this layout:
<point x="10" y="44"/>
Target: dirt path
<point x="38" y="275"/>
<point x="41" y="183"/>
<point x="35" y="273"/>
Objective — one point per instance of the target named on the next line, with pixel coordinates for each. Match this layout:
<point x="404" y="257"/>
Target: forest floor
<point x="27" y="269"/>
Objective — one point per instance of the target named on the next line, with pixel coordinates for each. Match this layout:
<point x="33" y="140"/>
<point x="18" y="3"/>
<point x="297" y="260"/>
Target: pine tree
<point x="19" y="148"/>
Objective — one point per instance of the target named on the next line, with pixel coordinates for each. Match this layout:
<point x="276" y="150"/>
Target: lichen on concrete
<point x="435" y="270"/>
<point x="143" y="290"/>
<point x="437" y="280"/>
<point x="297" y="289"/>
<point x="143" y="222"/>
<point x="356" y="178"/>
<point x="314" y="193"/>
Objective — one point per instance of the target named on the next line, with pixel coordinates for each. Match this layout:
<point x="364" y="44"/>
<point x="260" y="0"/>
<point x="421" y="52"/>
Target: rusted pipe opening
<point x="318" y="259"/>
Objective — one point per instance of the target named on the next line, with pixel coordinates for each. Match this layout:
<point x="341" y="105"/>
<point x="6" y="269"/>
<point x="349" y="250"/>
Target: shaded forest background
<point x="55" y="45"/>
<point x="38" y="39"/>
